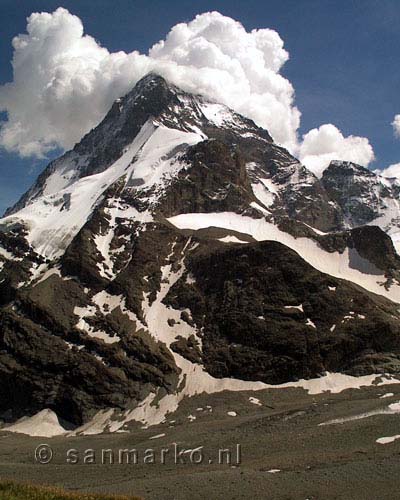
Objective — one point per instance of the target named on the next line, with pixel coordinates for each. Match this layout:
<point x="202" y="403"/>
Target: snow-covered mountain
<point x="177" y="249"/>
<point x="364" y="197"/>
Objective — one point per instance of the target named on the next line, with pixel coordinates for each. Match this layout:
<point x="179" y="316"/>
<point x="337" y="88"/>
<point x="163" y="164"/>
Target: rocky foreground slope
<point x="177" y="249"/>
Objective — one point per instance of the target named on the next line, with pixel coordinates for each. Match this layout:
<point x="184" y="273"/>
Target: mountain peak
<point x="152" y="99"/>
<point x="347" y="168"/>
<point x="152" y="88"/>
<point x="151" y="80"/>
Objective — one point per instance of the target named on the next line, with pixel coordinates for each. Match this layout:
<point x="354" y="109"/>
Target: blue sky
<point x="343" y="59"/>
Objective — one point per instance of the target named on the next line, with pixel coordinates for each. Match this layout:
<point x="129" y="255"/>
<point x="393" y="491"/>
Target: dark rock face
<point x="376" y="247"/>
<point x="360" y="194"/>
<point x="188" y="348"/>
<point x="47" y="362"/>
<point x="215" y="182"/>
<point x="301" y="197"/>
<point x="268" y="315"/>
<point x="107" y="322"/>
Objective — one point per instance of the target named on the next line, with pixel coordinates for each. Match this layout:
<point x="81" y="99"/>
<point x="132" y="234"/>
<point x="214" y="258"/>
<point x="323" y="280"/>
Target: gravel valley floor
<point x="284" y="452"/>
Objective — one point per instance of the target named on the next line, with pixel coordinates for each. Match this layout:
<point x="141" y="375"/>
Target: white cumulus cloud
<point x="64" y="83"/>
<point x="322" y="145"/>
<point x="396" y="125"/>
<point x="215" y="56"/>
<point x="390" y="171"/>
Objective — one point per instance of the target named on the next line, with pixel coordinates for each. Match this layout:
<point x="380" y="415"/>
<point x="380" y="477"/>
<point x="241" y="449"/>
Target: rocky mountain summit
<point x="177" y="249"/>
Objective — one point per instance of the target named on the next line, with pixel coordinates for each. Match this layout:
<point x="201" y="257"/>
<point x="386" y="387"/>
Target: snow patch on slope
<point x="392" y="409"/>
<point x="103" y="241"/>
<point x="153" y="411"/>
<point x="231" y="239"/>
<point x="43" y="424"/>
<point x="262" y="193"/>
<point x="54" y="220"/>
<point x="218" y="114"/>
<point x="388" y="439"/>
<point x="335" y="264"/>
